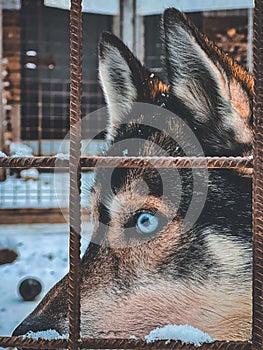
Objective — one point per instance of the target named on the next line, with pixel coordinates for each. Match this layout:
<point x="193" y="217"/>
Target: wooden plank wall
<point x="37" y="216"/>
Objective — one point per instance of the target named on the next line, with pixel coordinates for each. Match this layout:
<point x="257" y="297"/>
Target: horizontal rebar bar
<point x="257" y="194"/>
<point x="87" y="343"/>
<point x="75" y="173"/>
<point x="129" y="162"/>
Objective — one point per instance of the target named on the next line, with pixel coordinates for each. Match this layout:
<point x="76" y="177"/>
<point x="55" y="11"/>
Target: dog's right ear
<point x="216" y="90"/>
<point x="121" y="76"/>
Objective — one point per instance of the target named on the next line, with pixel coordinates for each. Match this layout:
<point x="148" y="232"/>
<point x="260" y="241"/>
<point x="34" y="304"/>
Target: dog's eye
<point x="147" y="223"/>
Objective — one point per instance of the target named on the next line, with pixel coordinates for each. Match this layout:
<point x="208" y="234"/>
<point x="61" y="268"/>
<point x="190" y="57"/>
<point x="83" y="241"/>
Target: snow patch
<point x="48" y="335"/>
<point x="133" y="337"/>
<point x="20" y="150"/>
<point x="185" y="333"/>
<point x="8" y="243"/>
<point x="125" y="152"/>
<point x="29" y="174"/>
<point x="62" y="156"/>
<point x="3" y="155"/>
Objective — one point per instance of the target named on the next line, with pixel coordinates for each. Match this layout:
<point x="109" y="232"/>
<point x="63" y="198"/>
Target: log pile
<point x="234" y="41"/>
<point x="229" y="33"/>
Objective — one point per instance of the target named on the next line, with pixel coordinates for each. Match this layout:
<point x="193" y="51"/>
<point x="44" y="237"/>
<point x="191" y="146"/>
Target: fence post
<point x="74" y="171"/>
<point x="258" y="180"/>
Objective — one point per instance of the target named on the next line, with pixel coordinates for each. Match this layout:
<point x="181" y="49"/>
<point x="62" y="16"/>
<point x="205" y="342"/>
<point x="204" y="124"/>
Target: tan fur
<point x="158" y="302"/>
<point x="156" y="87"/>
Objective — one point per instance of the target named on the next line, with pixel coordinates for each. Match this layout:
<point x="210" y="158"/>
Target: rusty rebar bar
<point x="129" y="162"/>
<point x="159" y="345"/>
<point x="87" y="343"/>
<point x="74" y="171"/>
<point x="30" y="343"/>
<point x="258" y="180"/>
<point x="213" y="162"/>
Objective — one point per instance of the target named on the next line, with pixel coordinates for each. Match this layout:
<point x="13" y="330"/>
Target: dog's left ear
<point x="124" y="79"/>
<point x="121" y="76"/>
<point x="215" y="88"/>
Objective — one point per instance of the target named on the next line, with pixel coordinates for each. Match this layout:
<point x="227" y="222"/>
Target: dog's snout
<point x="34" y="325"/>
<point x="22" y="329"/>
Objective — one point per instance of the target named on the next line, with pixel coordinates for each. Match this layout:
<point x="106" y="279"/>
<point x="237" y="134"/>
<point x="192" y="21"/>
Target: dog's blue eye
<point x="147" y="223"/>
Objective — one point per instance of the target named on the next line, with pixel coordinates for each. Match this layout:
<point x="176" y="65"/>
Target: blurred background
<point x="34" y="114"/>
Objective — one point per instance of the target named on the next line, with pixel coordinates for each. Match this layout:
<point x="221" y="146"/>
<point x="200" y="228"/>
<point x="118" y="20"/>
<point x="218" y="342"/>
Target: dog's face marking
<point x="145" y="270"/>
<point x="156" y="88"/>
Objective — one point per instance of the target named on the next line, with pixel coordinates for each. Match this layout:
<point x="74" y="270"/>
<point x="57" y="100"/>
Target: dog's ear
<point x="214" y="87"/>
<point x="124" y="80"/>
<point x="121" y="76"/>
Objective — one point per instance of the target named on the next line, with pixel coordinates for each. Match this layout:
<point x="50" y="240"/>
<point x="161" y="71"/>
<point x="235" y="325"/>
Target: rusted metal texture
<point x="75" y="163"/>
<point x="130" y="162"/>
<point x="74" y="172"/>
<point x="119" y="344"/>
<point x="258" y="180"/>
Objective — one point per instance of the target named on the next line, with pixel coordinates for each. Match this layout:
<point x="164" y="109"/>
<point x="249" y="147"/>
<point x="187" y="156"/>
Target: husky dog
<point x="159" y="274"/>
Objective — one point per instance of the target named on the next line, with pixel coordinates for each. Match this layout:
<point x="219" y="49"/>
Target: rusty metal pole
<point x="258" y="180"/>
<point x="74" y="171"/>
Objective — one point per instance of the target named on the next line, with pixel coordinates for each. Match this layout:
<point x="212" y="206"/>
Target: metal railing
<point x="74" y="341"/>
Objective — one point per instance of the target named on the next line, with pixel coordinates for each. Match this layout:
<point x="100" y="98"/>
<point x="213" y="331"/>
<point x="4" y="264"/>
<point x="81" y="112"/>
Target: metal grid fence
<point x="74" y="341"/>
<point x="55" y="107"/>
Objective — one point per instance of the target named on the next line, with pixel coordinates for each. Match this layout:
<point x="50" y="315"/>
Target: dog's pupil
<point x="145" y="221"/>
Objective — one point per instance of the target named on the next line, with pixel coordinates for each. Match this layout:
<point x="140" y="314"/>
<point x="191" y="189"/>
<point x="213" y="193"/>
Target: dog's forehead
<point x="123" y="190"/>
<point x="110" y="182"/>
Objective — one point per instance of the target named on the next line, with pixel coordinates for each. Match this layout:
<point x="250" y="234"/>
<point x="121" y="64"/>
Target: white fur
<point x="187" y="56"/>
<point x="119" y="98"/>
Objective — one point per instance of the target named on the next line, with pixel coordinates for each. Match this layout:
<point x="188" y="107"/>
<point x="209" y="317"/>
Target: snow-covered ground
<point x="43" y="253"/>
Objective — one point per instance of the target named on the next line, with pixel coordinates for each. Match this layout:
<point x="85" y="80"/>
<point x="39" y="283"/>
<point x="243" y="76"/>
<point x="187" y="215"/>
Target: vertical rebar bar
<point x="74" y="170"/>
<point x="258" y="179"/>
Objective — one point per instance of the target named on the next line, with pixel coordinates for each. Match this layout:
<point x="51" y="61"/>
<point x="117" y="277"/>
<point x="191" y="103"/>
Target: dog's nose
<point x="34" y="324"/>
<point x="24" y="328"/>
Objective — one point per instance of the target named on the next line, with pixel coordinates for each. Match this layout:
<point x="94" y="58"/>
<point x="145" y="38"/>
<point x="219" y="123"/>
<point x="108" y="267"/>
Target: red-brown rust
<point x="210" y="162"/>
<point x="31" y="343"/>
<point x="118" y="344"/>
<point x="129" y="162"/>
<point x="258" y="180"/>
<point x="158" y="345"/>
<point x="74" y="171"/>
